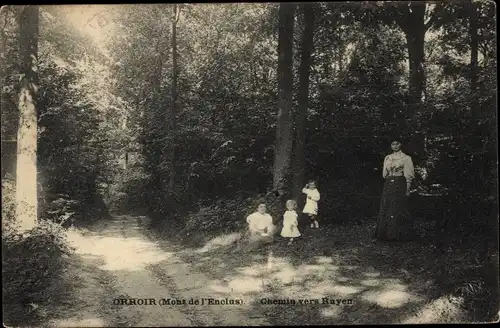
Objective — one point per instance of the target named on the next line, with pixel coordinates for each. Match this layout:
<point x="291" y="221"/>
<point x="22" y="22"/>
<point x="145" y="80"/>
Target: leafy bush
<point x="128" y="192"/>
<point x="62" y="210"/>
<point x="31" y="263"/>
<point x="8" y="203"/>
<point x="226" y="215"/>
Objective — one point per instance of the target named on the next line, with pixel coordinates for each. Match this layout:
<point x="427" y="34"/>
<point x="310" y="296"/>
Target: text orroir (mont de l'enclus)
<point x="228" y="301"/>
<point x="177" y="301"/>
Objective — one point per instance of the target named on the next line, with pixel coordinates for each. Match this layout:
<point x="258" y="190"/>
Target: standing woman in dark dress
<point x="394" y="217"/>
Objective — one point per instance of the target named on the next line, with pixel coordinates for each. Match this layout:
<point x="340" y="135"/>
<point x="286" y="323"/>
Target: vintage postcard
<point x="249" y="164"/>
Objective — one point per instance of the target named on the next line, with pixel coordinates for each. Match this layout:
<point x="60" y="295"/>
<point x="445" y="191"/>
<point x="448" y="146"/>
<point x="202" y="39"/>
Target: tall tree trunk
<point x="474" y="46"/>
<point x="414" y="27"/>
<point x="304" y="72"/>
<point x="417" y="74"/>
<point x="26" y="169"/>
<point x="173" y="113"/>
<point x="283" y="144"/>
<point x="125" y="159"/>
<point x="415" y="37"/>
<point x="150" y="127"/>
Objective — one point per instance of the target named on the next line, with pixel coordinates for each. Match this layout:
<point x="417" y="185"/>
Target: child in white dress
<point x="312" y="200"/>
<point x="290" y="222"/>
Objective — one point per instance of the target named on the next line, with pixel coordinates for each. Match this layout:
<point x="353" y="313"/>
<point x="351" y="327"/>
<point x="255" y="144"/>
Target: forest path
<point x="116" y="260"/>
<point x="333" y="276"/>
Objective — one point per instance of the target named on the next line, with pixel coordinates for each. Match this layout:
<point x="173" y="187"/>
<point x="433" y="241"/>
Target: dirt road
<point x="120" y="266"/>
<point x="124" y="276"/>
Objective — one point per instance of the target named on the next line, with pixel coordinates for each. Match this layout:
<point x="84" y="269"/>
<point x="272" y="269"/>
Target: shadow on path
<point x="334" y="275"/>
<point x="115" y="260"/>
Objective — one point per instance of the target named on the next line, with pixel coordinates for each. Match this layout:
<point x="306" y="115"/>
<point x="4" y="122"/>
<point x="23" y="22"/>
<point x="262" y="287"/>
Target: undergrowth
<point x="457" y="269"/>
<point x="32" y="264"/>
<point x="196" y="228"/>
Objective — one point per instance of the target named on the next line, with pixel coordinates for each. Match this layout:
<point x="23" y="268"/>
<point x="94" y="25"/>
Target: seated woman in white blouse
<point x="260" y="224"/>
<point x="260" y="228"/>
<point x="394" y="217"/>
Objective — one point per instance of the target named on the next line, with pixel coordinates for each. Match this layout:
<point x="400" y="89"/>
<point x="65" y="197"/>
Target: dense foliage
<point x="358" y="99"/>
<point x="73" y="117"/>
<point x="32" y="263"/>
<point x="73" y="161"/>
<point x="363" y="91"/>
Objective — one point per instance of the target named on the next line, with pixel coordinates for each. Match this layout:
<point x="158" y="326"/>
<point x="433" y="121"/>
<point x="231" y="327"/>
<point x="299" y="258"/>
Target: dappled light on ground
<point x="343" y="279"/>
<point x="246" y="285"/>
<point x="442" y="310"/>
<point x="323" y="279"/>
<point x="118" y="262"/>
<point x="340" y="290"/>
<point x="347" y="285"/>
<point x="323" y="259"/>
<point x="371" y="274"/>
<point x="135" y="254"/>
<point x="286" y="276"/>
<point x="313" y="269"/>
<point x="220" y="241"/>
<point x="388" y="299"/>
<point x="219" y="288"/>
<point x="370" y="282"/>
<point x="276" y="285"/>
<point x="75" y="322"/>
<point x="255" y="270"/>
<point x="330" y="312"/>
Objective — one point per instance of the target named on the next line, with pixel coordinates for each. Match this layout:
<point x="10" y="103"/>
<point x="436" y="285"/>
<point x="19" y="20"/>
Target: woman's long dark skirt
<point x="394" y="218"/>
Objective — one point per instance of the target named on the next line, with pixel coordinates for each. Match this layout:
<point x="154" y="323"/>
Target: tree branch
<point x="178" y="14"/>
<point x="402" y="16"/>
<point x="432" y="21"/>
<point x="6" y="18"/>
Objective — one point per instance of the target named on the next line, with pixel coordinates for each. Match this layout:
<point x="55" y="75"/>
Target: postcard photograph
<point x="249" y="164"/>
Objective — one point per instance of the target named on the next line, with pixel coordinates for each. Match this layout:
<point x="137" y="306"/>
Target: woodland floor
<point x="122" y="258"/>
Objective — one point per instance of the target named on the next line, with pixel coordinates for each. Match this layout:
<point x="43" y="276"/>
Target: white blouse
<point x="399" y="164"/>
<point x="259" y="222"/>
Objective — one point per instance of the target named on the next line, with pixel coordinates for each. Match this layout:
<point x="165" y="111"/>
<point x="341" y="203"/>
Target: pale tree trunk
<point x="173" y="113"/>
<point x="26" y="169"/>
<point x="304" y="71"/>
<point x="283" y="145"/>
